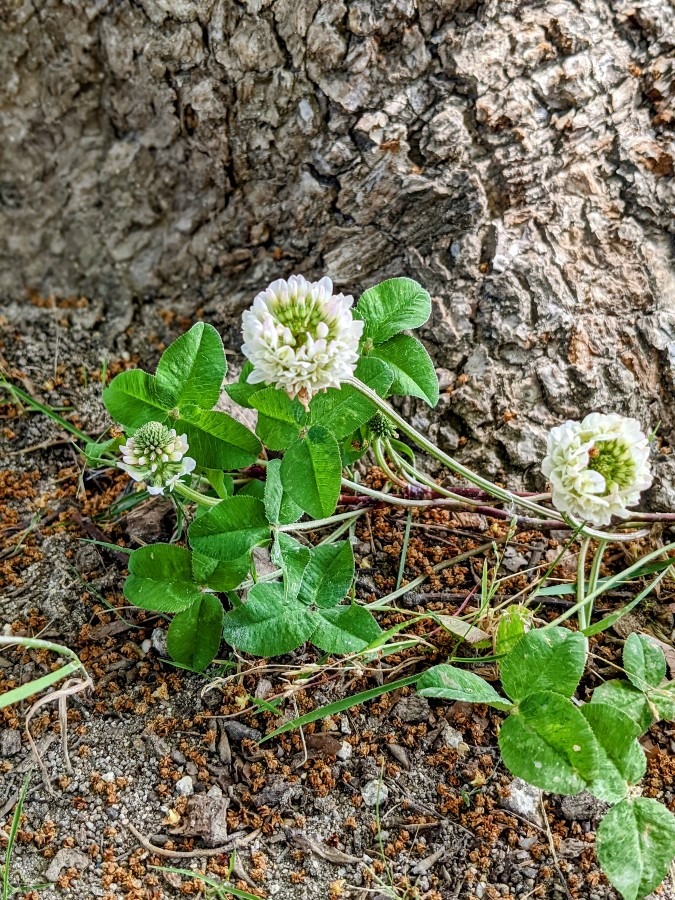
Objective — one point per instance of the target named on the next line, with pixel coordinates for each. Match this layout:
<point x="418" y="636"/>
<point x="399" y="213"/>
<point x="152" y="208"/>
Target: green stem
<point x="394" y="500"/>
<point x="594" y="574"/>
<point x="456" y="467"/>
<point x="593" y="577"/>
<point x="581" y="583"/>
<point x="404" y="550"/>
<point x="438" y="454"/>
<point x="190" y="494"/>
<point x="37" y="644"/>
<point x="609" y="583"/>
<point x="384" y="465"/>
<point x="425" y="481"/>
<point x="321" y="523"/>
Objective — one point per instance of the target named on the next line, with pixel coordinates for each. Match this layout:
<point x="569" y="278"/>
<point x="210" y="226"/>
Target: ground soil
<point x="302" y="808"/>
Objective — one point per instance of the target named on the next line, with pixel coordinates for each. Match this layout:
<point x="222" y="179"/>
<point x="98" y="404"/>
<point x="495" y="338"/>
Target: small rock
<point x="446" y="378"/>
<point x="263" y="689"/>
<point x="205" y="817"/>
<point x="10" y="742"/>
<point x="66" y="858"/>
<point x="582" y="807"/>
<point x="413" y="709"/>
<point x="158" y="638"/>
<point x="224" y="751"/>
<point x="525" y="801"/>
<point x="146" y="646"/>
<point x="147" y="522"/>
<point x="185" y="787"/>
<point x="375" y="792"/>
<point x="178" y="757"/>
<point x="513" y="561"/>
<point x="450" y="737"/>
<point x="345" y="727"/>
<point x="400" y="755"/>
<point x="237" y="731"/>
<point x="108" y="777"/>
<point x="572" y="848"/>
<point x="345" y="751"/>
<point x="325" y="743"/>
<point x="214" y="791"/>
<point x="159" y="746"/>
<point x="278" y="793"/>
<point x="87" y="560"/>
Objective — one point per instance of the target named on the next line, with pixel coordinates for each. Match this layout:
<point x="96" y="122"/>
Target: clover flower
<point x="300" y="337"/>
<point x="156" y="455"/>
<point x="598" y="467"/>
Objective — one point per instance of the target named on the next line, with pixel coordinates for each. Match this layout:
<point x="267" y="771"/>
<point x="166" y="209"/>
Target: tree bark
<point x="514" y="157"/>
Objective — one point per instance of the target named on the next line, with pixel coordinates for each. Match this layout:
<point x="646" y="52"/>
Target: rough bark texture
<point x="515" y="157"/>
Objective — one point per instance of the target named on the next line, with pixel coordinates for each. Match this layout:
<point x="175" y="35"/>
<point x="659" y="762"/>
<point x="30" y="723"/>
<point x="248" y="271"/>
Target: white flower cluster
<point x="598" y="467"/>
<point x="300" y="337"/>
<point x="156" y="455"/>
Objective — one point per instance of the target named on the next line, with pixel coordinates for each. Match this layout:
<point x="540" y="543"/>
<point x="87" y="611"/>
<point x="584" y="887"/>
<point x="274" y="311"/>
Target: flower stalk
<point x="502" y="494"/>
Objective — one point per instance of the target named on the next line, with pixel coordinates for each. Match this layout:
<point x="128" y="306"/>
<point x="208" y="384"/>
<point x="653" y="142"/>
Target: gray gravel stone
<point x="375" y="792"/>
<point x="185" y="786"/>
<point x="524" y="800"/>
<point x="66" y="858"/>
<point x="10" y="742"/>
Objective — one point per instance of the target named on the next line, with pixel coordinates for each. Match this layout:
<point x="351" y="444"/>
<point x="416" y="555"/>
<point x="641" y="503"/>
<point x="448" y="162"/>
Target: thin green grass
<point x="24" y="691"/>
<point x="7" y="889"/>
<point x="217" y="889"/>
<point x="43" y="408"/>
<point x="339" y="706"/>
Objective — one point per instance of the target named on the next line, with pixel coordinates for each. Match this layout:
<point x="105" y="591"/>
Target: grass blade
<point x="44" y="409"/>
<point x="7" y="890"/>
<point x="34" y="687"/>
<point x="223" y="889"/>
<point x="340" y="706"/>
<point x="614" y="617"/>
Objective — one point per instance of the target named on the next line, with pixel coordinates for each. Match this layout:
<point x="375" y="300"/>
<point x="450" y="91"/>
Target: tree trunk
<point x="514" y="157"/>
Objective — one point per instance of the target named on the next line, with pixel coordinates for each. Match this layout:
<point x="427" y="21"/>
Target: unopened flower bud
<point x="156" y="455"/>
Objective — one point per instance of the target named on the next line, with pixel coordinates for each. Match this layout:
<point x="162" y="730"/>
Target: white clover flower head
<point x="300" y="337"/>
<point x="598" y="467"/>
<point x="156" y="455"/>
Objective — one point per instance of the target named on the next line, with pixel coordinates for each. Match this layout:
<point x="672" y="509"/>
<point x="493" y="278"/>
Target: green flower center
<point x="151" y="438"/>
<point x="301" y="317"/>
<point x="613" y="460"/>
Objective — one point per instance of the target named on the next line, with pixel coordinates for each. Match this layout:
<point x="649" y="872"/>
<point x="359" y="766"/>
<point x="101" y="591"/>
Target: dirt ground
<point x="398" y="798"/>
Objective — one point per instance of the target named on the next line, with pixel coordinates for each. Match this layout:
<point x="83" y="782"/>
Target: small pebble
<point x="237" y="731"/>
<point x="413" y="709"/>
<point x="158" y="639"/>
<point x="452" y="738"/>
<point x="10" y="742"/>
<point x="108" y="777"/>
<point x="185" y="787"/>
<point x="525" y="801"/>
<point x="374" y="792"/>
<point x="345" y="751"/>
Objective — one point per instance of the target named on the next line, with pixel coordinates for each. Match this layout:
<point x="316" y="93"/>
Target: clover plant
<point x="554" y="742"/>
<point x="319" y="372"/>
